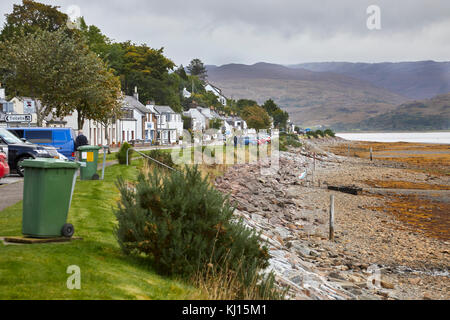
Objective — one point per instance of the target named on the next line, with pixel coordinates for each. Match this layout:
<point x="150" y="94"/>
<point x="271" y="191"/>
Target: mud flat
<point x="388" y="245"/>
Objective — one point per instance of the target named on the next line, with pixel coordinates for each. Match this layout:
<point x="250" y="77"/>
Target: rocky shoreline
<point x="372" y="257"/>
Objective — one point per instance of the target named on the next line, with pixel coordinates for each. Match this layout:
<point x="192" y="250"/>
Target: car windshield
<point x="9" y="137"/>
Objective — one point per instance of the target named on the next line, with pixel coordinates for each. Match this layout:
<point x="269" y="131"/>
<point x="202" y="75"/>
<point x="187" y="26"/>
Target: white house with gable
<point x="218" y="92"/>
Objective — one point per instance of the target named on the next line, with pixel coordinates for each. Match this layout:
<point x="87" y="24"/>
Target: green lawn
<point x="39" y="271"/>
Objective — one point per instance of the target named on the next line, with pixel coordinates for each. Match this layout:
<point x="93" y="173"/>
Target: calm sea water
<point x="420" y="137"/>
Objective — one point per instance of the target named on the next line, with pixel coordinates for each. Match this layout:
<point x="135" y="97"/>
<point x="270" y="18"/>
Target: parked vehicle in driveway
<point x="18" y="150"/>
<point x="4" y="168"/>
<point x="247" y="140"/>
<point x="62" y="139"/>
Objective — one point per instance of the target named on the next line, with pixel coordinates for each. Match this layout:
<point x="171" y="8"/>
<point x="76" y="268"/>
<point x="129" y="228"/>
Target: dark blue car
<point x="63" y="139"/>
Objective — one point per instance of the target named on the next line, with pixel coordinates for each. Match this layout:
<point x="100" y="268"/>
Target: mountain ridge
<point x="312" y="94"/>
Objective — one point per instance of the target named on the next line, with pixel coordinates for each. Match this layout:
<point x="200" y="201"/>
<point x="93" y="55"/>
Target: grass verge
<point x="39" y="271"/>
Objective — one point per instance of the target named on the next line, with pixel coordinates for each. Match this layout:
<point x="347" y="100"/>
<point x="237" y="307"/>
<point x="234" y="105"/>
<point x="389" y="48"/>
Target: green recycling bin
<point x="88" y="155"/>
<point x="47" y="194"/>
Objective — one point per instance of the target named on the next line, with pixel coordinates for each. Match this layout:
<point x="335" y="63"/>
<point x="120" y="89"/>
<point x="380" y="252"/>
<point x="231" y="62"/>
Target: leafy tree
<point x="256" y="117"/>
<point x="59" y="71"/>
<point x="101" y="101"/>
<point x="270" y="106"/>
<point x="182" y="73"/>
<point x="242" y="103"/>
<point x="96" y="40"/>
<point x="31" y="16"/>
<point x="197" y="68"/>
<point x="280" y="118"/>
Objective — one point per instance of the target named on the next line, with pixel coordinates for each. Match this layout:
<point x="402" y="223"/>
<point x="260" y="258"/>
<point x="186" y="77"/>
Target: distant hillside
<point x="415" y="80"/>
<point x="431" y="114"/>
<point x="310" y="97"/>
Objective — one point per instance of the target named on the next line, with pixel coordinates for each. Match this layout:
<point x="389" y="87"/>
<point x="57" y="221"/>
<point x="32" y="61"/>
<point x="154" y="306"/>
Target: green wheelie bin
<point x="89" y="155"/>
<point x="47" y="194"/>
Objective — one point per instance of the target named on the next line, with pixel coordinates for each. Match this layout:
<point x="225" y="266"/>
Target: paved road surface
<point x="11" y="193"/>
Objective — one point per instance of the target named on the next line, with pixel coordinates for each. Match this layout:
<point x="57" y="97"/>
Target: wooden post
<point x="314" y="161"/>
<point x="331" y="236"/>
<point x="371" y="156"/>
<point x="348" y="150"/>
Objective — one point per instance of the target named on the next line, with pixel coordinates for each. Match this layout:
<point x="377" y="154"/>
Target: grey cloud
<point x="275" y="31"/>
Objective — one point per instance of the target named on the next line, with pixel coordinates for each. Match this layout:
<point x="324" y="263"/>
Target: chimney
<point x="136" y="94"/>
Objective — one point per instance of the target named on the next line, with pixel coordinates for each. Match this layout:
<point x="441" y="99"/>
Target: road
<point x="11" y="191"/>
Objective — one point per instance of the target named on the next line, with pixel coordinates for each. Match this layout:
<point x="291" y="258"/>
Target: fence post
<point x="371" y="156"/>
<point x="127" y="154"/>
<point x="331" y="235"/>
<point x="314" y="161"/>
<point x="104" y="161"/>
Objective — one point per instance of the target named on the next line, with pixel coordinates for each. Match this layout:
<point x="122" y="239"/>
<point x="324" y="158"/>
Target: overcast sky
<point x="277" y="31"/>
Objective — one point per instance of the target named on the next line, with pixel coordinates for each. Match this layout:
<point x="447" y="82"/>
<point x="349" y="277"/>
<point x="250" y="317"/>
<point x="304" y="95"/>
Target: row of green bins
<point x="88" y="155"/>
<point x="47" y="195"/>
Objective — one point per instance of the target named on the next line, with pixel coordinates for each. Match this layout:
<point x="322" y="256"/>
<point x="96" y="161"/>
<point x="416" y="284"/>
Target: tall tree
<point x="31" y="16"/>
<point x="59" y="71"/>
<point x="256" y="117"/>
<point x="182" y="73"/>
<point x="197" y="68"/>
<point x="270" y="106"/>
<point x="280" y="118"/>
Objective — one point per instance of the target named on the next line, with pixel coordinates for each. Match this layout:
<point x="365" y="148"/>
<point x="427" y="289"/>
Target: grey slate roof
<point x="129" y="101"/>
<point x="163" y="109"/>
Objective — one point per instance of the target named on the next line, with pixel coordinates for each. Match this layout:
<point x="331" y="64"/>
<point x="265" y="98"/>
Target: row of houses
<point x="149" y="123"/>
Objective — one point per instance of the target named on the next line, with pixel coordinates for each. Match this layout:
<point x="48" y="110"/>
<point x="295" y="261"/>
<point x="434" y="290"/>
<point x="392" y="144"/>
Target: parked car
<point x="247" y="140"/>
<point x="63" y="139"/>
<point x="18" y="150"/>
<point x="4" y="168"/>
<point x="263" y="139"/>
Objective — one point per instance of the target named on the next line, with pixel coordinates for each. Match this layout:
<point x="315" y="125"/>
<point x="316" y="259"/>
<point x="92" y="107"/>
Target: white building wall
<point x="139" y="135"/>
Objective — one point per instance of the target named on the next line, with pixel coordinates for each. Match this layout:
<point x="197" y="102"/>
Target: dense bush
<point x="161" y="156"/>
<point x="320" y="133"/>
<point x="329" y="132"/>
<point x="289" y="140"/>
<point x="122" y="154"/>
<point x="181" y="225"/>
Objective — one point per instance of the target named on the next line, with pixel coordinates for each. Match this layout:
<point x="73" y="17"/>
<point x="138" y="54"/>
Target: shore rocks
<point x="292" y="215"/>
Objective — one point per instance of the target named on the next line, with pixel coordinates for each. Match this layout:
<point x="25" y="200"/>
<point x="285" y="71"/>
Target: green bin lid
<point x="88" y="148"/>
<point x="49" y="163"/>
